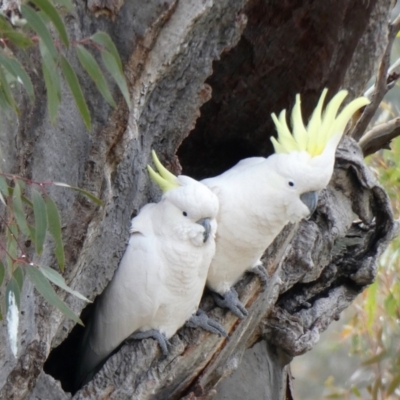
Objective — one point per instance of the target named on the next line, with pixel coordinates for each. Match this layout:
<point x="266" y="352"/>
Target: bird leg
<point x="202" y="320"/>
<point x="154" y="334"/>
<point x="231" y="301"/>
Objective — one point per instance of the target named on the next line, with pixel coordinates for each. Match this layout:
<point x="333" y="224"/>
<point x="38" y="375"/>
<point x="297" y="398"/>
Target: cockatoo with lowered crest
<point x="161" y="277"/>
<point x="259" y="196"/>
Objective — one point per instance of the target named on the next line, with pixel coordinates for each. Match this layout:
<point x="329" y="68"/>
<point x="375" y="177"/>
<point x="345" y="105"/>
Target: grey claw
<point x="154" y="334"/>
<point x="231" y="301"/>
<point x="260" y="271"/>
<point x="202" y="320"/>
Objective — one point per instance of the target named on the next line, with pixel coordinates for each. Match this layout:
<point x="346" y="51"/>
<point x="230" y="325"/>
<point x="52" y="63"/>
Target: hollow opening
<point x="281" y="53"/>
<point x="61" y="362"/>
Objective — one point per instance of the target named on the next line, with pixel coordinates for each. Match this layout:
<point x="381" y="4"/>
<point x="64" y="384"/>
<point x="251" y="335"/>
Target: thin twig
<point x="29" y="181"/>
<point x="392" y="69"/>
<point x="380" y="136"/>
<point x="380" y="87"/>
<point x="12" y="234"/>
<point x="19" y="260"/>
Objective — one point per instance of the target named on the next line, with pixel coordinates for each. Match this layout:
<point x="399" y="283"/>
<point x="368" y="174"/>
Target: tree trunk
<point x="204" y="77"/>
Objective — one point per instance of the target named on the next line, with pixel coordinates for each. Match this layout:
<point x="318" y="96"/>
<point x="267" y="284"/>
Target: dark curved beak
<point x="206" y="223"/>
<point x="310" y="199"/>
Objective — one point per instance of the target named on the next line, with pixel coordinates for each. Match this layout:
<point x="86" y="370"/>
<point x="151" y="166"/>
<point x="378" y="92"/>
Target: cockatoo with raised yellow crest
<point x="161" y="277"/>
<point x="259" y="196"/>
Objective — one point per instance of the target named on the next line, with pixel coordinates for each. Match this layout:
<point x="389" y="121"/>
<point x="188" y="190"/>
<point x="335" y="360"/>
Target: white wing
<point x="128" y="303"/>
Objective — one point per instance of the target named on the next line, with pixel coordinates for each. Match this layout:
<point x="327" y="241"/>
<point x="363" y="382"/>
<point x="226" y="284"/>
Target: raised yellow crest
<point x="165" y="179"/>
<point x="320" y="128"/>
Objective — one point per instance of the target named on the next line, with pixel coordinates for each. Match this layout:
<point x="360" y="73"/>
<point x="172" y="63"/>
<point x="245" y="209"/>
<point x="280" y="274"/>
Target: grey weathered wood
<point x="308" y="307"/>
<point x="169" y="49"/>
<point x="261" y="363"/>
<point x="168" y="54"/>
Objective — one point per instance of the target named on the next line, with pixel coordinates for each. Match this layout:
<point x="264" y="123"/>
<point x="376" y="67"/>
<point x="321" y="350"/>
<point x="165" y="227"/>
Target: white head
<point x="192" y="207"/>
<point x="304" y="161"/>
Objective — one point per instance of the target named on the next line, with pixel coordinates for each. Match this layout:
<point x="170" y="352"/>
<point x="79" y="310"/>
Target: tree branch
<point x="331" y="284"/>
<point x="382" y="84"/>
<point x="380" y="136"/>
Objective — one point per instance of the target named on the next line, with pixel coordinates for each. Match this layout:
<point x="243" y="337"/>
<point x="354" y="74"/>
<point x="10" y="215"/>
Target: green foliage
<point x="37" y="23"/>
<point x="52" y="82"/>
<point x="76" y="90"/>
<point x="42" y="21"/>
<point x="29" y="214"/>
<point x="112" y="62"/>
<point x="20" y="224"/>
<point x="82" y="191"/>
<point x="53" y="276"/>
<point x="55" y="18"/>
<point x="12" y="286"/>
<point x="46" y="290"/>
<point x="2" y="272"/>
<point x="9" y="34"/>
<point x="54" y="224"/>
<point x="91" y="66"/>
<point x="39" y="209"/>
<point x="15" y="69"/>
<point x="18" y="209"/>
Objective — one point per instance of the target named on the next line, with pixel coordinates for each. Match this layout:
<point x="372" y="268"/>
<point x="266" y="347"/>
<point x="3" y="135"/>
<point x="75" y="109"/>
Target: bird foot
<point x="261" y="272"/>
<point x="154" y="334"/>
<point x="231" y="301"/>
<point x="202" y="320"/>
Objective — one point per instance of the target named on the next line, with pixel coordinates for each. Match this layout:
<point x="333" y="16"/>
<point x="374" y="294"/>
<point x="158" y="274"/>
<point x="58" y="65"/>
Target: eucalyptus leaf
<point x="18" y="38"/>
<point x="112" y="67"/>
<point x="19" y="211"/>
<point x="104" y="40"/>
<point x="58" y="280"/>
<point x="76" y="91"/>
<point x="6" y="91"/>
<point x="3" y="185"/>
<point x="53" y="220"/>
<point x="14" y="36"/>
<point x="11" y="244"/>
<point x="39" y="210"/>
<point x="14" y="67"/>
<point x="2" y="272"/>
<point x="18" y="275"/>
<point x="52" y="81"/>
<point x="3" y="101"/>
<point x="3" y="189"/>
<point x="93" y="69"/>
<point x="46" y="290"/>
<point x="38" y="25"/>
<point x="13" y="286"/>
<point x="54" y="17"/>
<point x="84" y="192"/>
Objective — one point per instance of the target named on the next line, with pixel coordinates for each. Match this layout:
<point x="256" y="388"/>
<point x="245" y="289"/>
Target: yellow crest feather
<point x="321" y="126"/>
<point x="299" y="131"/>
<point x="164" y="179"/>
<point x="314" y="124"/>
<point x="285" y="138"/>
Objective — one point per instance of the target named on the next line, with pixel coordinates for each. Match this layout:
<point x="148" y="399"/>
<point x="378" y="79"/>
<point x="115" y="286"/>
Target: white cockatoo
<point x="161" y="277"/>
<point x="259" y="196"/>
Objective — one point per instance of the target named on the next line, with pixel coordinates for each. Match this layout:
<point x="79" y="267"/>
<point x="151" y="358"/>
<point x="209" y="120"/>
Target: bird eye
<point x="184" y="214"/>
<point x="291" y="183"/>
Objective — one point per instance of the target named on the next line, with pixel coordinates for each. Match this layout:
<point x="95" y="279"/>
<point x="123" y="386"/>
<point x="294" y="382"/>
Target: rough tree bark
<point x="210" y="72"/>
